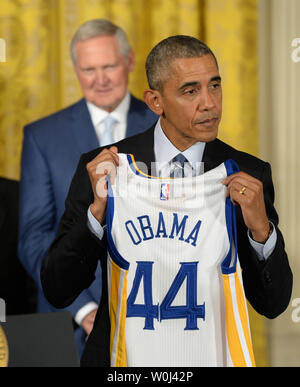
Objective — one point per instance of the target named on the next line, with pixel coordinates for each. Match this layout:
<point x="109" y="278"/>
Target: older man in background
<point x="103" y="60"/>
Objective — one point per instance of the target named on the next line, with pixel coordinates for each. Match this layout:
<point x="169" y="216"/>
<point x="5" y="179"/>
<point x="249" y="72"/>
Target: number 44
<point x="191" y="311"/>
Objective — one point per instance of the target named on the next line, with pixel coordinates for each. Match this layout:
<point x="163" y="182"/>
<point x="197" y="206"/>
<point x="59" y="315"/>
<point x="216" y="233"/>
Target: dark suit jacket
<point x="73" y="257"/>
<point x="51" y="149"/>
<point x="16" y="287"/>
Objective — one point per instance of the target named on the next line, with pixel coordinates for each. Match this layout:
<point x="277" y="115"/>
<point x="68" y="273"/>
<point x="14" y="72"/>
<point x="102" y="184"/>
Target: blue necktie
<point x="178" y="162"/>
<point x="107" y="136"/>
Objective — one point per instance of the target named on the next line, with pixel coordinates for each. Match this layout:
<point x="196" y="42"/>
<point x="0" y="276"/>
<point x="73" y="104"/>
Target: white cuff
<point x="84" y="311"/>
<point x="264" y="250"/>
<point x="94" y="226"/>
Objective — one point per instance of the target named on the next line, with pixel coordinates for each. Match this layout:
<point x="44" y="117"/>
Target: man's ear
<point x="131" y="61"/>
<point x="153" y="100"/>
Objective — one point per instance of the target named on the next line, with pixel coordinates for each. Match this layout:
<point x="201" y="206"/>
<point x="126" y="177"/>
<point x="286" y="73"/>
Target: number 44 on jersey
<point x="191" y="311"/>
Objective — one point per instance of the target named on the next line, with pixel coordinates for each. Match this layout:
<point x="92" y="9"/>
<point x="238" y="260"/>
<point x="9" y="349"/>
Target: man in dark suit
<point x="16" y="287"/>
<point x="185" y="90"/>
<point x="52" y="146"/>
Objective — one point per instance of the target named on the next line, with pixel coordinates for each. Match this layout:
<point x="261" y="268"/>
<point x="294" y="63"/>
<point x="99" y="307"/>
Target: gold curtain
<point x="38" y="78"/>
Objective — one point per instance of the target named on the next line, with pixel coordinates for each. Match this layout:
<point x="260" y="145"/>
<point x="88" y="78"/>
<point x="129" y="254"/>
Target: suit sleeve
<point x="268" y="283"/>
<point x="72" y="259"/>
<point x="37" y="208"/>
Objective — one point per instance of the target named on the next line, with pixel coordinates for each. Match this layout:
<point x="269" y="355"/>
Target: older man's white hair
<point x="100" y="27"/>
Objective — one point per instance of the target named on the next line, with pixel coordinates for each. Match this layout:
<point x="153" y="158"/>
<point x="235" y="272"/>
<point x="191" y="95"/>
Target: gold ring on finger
<point x="242" y="191"/>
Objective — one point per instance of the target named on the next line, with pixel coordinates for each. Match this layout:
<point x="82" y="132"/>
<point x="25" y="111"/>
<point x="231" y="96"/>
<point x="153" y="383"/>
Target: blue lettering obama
<point x="141" y="229"/>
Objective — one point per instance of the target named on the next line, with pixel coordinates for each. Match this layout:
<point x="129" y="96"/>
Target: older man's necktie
<point x="107" y="136"/>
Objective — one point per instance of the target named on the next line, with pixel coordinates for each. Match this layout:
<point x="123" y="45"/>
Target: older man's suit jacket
<point x="52" y="147"/>
<point x="70" y="265"/>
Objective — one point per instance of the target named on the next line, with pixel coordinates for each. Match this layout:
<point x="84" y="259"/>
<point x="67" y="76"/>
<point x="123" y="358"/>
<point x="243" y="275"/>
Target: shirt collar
<point x="120" y="113"/>
<point x="165" y="151"/>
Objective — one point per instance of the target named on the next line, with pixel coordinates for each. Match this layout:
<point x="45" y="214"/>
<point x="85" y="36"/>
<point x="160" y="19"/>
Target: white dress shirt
<point x="120" y="114"/>
<point x="165" y="151"/>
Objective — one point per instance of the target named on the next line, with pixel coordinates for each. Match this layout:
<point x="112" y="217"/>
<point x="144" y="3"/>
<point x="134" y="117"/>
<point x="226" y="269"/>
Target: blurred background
<point x="255" y="42"/>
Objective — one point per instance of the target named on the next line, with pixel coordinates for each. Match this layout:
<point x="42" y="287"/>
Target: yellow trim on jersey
<point x="121" y="357"/>
<point x="149" y="176"/>
<point x="114" y="290"/>
<point x="118" y="311"/>
<point x="141" y="172"/>
<point x="237" y="326"/>
<point x="244" y="317"/>
<point x="234" y="344"/>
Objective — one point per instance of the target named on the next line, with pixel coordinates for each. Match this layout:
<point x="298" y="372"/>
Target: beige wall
<point x="280" y="144"/>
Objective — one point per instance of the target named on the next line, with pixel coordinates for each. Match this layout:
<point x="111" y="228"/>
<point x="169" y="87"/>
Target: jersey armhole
<point x="113" y="252"/>
<point x="228" y="265"/>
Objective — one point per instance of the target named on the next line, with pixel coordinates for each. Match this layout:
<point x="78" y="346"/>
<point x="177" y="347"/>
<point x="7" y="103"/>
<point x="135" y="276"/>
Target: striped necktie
<point x="178" y="165"/>
<point x="107" y="136"/>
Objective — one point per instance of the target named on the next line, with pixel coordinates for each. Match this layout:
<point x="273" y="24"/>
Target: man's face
<point x="103" y="71"/>
<point x="191" y="101"/>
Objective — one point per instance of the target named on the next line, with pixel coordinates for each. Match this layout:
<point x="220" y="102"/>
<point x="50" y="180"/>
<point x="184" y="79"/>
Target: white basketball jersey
<point x="175" y="292"/>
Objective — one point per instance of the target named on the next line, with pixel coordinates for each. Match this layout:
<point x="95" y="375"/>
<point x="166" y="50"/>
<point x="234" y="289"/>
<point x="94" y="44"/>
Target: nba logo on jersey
<point x="164" y="191"/>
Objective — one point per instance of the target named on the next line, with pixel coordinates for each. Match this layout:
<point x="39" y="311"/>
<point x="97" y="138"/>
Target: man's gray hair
<point x="100" y="27"/>
<point x="169" y="49"/>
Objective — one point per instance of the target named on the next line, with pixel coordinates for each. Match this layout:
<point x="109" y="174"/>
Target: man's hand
<point x="88" y="322"/>
<point x="246" y="191"/>
<point x="104" y="163"/>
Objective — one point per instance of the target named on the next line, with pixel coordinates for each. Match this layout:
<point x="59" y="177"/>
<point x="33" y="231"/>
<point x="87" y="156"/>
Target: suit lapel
<point x="82" y="128"/>
<point x="142" y="147"/>
<point x="146" y="153"/>
<point x="214" y="154"/>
